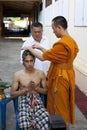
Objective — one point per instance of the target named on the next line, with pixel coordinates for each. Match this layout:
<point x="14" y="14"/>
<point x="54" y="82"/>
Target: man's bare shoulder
<point x="19" y="72"/>
<point x="40" y="72"/>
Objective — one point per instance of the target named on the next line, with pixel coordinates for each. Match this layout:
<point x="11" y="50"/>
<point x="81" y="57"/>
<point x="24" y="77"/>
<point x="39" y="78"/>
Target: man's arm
<point x="14" y="89"/>
<point x="42" y="90"/>
<point x="21" y="61"/>
<point x="34" y="52"/>
<point x="25" y="44"/>
<point x="37" y="46"/>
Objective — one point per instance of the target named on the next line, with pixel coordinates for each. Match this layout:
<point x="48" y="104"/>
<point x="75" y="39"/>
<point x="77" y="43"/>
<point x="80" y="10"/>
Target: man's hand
<point x="34" y="52"/>
<point x="36" y="45"/>
<point x="26" y="48"/>
<point x="39" y="47"/>
<point x="31" y="86"/>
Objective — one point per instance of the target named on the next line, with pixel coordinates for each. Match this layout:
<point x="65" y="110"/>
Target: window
<point x="80" y="13"/>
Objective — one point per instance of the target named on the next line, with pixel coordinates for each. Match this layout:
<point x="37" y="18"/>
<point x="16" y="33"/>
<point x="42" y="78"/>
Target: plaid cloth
<point x="32" y="113"/>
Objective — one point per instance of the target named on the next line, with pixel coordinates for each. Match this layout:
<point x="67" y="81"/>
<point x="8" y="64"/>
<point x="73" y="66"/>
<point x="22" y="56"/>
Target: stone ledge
<point x="81" y="65"/>
<point x="81" y="74"/>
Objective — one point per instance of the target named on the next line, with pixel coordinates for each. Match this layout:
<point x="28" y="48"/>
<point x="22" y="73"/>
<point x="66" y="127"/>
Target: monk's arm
<point x="34" y="52"/>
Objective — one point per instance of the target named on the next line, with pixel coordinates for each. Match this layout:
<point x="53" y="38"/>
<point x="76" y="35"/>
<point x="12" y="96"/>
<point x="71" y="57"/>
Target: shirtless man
<point x="32" y="114"/>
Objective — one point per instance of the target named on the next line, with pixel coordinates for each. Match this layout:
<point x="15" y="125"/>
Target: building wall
<point x="79" y="33"/>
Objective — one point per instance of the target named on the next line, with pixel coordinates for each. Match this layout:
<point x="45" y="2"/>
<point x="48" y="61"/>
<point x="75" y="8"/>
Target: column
<point x="1" y="21"/>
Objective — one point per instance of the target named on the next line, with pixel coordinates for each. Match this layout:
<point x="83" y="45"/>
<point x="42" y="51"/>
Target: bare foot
<point x="67" y="126"/>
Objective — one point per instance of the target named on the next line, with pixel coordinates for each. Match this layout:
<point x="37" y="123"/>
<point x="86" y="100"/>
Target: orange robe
<point x="61" y="78"/>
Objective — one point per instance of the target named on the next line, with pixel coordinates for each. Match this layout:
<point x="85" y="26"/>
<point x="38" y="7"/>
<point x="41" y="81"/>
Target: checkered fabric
<point x="32" y="113"/>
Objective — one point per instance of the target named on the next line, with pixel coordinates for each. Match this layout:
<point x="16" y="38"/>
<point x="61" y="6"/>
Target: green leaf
<point x="5" y="84"/>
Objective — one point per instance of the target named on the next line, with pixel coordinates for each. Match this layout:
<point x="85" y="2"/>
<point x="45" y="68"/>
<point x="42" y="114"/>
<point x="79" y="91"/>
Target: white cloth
<point x="41" y="65"/>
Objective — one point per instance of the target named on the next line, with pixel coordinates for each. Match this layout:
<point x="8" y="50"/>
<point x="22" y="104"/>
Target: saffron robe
<point x="61" y="78"/>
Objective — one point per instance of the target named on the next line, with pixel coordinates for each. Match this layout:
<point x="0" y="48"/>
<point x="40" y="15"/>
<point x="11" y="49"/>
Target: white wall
<point x="78" y="33"/>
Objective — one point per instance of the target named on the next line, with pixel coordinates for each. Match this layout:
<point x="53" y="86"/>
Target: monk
<point x="61" y="75"/>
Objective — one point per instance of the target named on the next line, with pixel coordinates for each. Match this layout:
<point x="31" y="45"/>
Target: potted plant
<point x="3" y="85"/>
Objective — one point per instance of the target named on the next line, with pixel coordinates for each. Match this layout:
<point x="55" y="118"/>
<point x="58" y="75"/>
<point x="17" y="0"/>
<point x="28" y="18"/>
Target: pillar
<point x="1" y="21"/>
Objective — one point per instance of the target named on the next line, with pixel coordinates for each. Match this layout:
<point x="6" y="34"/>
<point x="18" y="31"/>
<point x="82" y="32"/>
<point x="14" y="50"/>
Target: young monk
<point x="61" y="75"/>
<point x="32" y="113"/>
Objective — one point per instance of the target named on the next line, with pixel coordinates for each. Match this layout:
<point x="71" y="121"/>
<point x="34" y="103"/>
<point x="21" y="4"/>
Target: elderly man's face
<point x="37" y="33"/>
